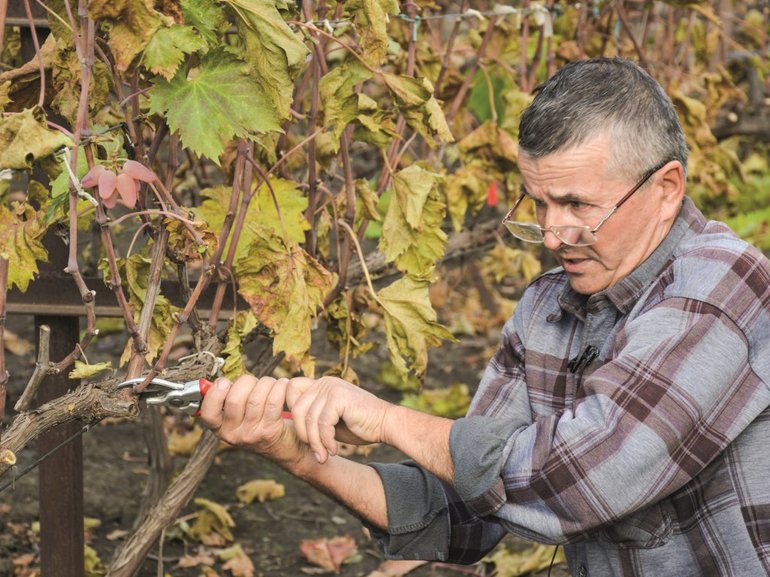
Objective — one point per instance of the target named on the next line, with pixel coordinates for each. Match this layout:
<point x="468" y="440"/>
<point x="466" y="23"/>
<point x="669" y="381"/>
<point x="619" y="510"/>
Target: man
<point x="625" y="413"/>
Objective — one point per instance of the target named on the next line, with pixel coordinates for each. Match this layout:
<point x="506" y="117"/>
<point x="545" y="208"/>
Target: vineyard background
<point x="341" y="168"/>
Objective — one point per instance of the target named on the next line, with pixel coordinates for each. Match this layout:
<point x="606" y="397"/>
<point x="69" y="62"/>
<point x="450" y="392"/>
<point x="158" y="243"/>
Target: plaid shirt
<point x="632" y="426"/>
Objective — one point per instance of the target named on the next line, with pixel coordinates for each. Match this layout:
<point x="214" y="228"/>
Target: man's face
<point x="573" y="187"/>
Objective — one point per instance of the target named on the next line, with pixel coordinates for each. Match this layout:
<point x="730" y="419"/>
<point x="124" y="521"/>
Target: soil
<point x="115" y="472"/>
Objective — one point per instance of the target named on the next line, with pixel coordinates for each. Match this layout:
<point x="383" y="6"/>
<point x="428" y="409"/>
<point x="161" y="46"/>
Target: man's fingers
<point x="212" y="407"/>
<point x="236" y="400"/>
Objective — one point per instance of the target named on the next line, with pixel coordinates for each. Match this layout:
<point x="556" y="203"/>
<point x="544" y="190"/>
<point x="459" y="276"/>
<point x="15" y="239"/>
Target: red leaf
<point x="329" y="553"/>
<point x="91" y="179"/>
<point x="127" y="189"/>
<point x="492" y="193"/>
<point x="138" y="171"/>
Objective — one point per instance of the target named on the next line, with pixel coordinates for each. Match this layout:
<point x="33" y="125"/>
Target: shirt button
<point x="582" y="571"/>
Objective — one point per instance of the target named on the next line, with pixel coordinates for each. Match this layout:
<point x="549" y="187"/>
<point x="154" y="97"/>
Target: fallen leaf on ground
<point x="116" y="534"/>
<point x="238" y="563"/>
<point x="515" y="563"/>
<point x="329" y="553"/>
<point x="396" y="568"/>
<point x="212" y="524"/>
<point x="188" y="561"/>
<point x="184" y="443"/>
<point x="260" y="490"/>
<point x="16" y="345"/>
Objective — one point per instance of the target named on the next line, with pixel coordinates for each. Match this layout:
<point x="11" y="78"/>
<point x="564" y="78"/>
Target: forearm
<point x="422" y="437"/>
<point x="356" y="486"/>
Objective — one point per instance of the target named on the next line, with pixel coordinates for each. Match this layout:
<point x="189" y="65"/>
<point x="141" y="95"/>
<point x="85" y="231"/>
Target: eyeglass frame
<point x="592" y="231"/>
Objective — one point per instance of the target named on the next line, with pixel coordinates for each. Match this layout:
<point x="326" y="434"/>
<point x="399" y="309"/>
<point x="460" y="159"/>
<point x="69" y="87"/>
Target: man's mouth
<point x="572" y="263"/>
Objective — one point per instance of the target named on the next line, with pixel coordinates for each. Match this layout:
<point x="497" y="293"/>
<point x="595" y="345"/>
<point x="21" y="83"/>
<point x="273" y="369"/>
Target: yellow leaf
<point x="411" y="233"/>
<point x="260" y="490"/>
<point x="516" y="563"/>
<point x="180" y="443"/>
<point x="285" y="287"/>
<point x="93" y="565"/>
<point x="84" y="370"/>
<point x="410" y="324"/>
<point x="212" y="523"/>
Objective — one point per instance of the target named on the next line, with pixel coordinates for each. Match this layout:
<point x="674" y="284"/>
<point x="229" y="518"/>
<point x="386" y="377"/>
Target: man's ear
<point x="671" y="181"/>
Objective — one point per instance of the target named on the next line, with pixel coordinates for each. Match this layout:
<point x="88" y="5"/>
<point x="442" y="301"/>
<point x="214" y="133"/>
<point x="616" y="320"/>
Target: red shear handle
<point x="205" y="385"/>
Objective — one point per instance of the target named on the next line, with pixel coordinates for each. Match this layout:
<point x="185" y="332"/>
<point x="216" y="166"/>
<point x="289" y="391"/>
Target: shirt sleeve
<point x="428" y="520"/>
<point x="681" y="384"/>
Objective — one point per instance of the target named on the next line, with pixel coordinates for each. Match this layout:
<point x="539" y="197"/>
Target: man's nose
<point x="551" y="241"/>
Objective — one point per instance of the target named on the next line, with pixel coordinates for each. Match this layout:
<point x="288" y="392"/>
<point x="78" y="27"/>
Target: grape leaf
<point x="284" y="287"/>
<point x="261" y="211"/>
<point x="410" y="324"/>
<point x="5" y="88"/>
<point x="66" y="74"/>
<point x="84" y="370"/>
<point x="274" y="51"/>
<point x="21" y="235"/>
<point x="134" y="271"/>
<point x="207" y="17"/>
<point x="25" y="139"/>
<point x="132" y="25"/>
<point x="239" y="327"/>
<point x="411" y="233"/>
<point x="260" y="490"/>
<point x="415" y="100"/>
<point x="213" y="103"/>
<point x="370" y="18"/>
<point x="212" y="523"/>
<point x="168" y="47"/>
<point x="237" y="562"/>
<point x="339" y="97"/>
<point x="466" y="189"/>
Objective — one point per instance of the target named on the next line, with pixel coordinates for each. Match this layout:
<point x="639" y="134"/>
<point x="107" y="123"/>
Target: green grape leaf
<point x="410" y="325"/>
<point x="370" y="18"/>
<point x="261" y="212"/>
<point x="239" y="327"/>
<point x="84" y="370"/>
<point x="21" y="235"/>
<point x="414" y="99"/>
<point x="167" y="49"/>
<point x="411" y="232"/>
<point x="285" y="287"/>
<point x="213" y="103"/>
<point x="132" y="25"/>
<point x="25" y="139"/>
<point x="207" y="17"/>
<point x="275" y="52"/>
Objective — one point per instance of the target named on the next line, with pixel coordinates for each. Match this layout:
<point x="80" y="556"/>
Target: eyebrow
<point x="561" y="199"/>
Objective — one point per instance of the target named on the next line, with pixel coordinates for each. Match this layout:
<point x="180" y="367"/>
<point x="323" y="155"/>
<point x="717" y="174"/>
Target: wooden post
<point x="60" y="487"/>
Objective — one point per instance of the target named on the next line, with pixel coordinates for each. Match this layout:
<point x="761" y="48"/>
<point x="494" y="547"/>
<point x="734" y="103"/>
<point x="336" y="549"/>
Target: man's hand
<point x="247" y="413"/>
<point x="329" y="409"/>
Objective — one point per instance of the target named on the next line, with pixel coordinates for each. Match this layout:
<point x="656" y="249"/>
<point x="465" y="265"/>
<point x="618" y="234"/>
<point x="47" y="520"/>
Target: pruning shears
<point x="185" y="397"/>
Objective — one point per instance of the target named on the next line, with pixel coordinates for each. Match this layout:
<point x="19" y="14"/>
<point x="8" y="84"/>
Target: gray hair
<point x="609" y="97"/>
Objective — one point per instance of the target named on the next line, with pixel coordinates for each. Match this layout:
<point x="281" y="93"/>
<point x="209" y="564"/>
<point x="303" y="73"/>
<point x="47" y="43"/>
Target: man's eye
<point x="577" y="205"/>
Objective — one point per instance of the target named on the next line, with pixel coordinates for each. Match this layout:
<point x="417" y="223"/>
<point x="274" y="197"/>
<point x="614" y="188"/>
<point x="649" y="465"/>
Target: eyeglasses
<point x="571" y="235"/>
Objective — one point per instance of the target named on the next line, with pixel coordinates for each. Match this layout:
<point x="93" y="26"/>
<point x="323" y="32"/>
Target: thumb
<point x="296" y="387"/>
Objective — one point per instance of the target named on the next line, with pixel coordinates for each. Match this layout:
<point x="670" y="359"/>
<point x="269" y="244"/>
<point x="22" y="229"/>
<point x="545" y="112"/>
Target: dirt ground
<point x="270" y="533"/>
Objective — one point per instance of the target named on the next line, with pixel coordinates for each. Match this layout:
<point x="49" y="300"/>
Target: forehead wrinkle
<point x="566" y="197"/>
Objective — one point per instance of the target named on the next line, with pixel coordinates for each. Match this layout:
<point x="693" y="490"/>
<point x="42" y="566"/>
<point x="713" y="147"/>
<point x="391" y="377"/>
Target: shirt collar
<point x="625" y="293"/>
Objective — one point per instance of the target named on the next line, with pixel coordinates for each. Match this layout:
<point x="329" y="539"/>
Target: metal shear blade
<point x="157" y="387"/>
